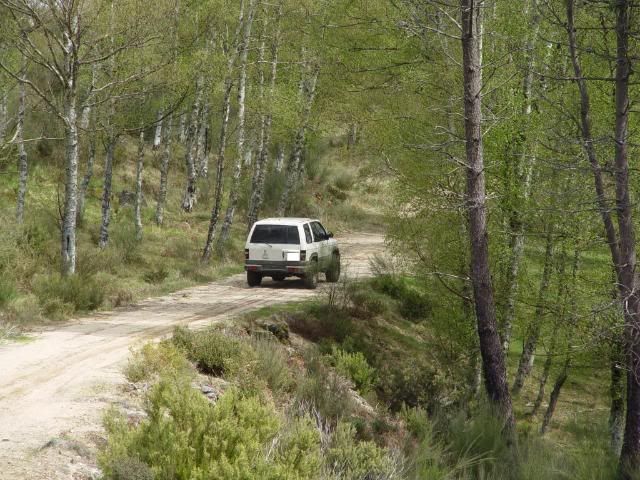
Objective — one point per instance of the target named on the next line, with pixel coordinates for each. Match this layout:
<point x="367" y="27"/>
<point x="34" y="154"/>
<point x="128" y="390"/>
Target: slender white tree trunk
<point x="139" y="174"/>
<point x="4" y="113"/>
<point x="23" y="167"/>
<point x="107" y="190"/>
<point x="234" y="192"/>
<point x="261" y="167"/>
<point x="164" y="173"/>
<point x="70" y="98"/>
<point x="157" y="138"/>
<point x="295" y="164"/>
<point x="279" y="163"/>
<point x="191" y="191"/>
<point x="86" y="179"/>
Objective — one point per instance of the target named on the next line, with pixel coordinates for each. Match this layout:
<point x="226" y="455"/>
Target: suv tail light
<point x="303" y="255"/>
<point x="246" y="254"/>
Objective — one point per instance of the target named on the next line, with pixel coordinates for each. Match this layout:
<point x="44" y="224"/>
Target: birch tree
<point x="234" y="191"/>
<point x="260" y="169"/>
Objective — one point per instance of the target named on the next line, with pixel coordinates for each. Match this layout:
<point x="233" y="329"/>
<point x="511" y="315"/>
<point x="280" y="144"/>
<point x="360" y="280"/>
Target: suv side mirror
<point x="330" y="235"/>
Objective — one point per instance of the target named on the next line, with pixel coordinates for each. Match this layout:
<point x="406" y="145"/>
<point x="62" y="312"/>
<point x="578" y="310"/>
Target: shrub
<point x="186" y="437"/>
<point x="81" y="293"/>
<point x="128" y="468"/>
<point x="368" y="302"/>
<point x="354" y="366"/>
<point x="349" y="459"/>
<point x="214" y="352"/>
<point x="271" y="365"/>
<point x="7" y="290"/>
<point x="323" y="390"/>
<point x="413" y="304"/>
<point x="156" y="359"/>
<point x="156" y="275"/>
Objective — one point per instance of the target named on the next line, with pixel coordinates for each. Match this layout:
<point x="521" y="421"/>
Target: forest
<point x="489" y="142"/>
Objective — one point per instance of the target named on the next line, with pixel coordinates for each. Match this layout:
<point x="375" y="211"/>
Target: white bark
<point x="164" y="173"/>
<point x="295" y="165"/>
<point x="157" y="138"/>
<point x="23" y="167"/>
<point x="237" y="173"/>
<point x="260" y="170"/>
<point x="84" y="185"/>
<point x="191" y="190"/>
<point x="106" y="191"/>
<point x="4" y="113"/>
<point x="68" y="231"/>
<point x="139" y="173"/>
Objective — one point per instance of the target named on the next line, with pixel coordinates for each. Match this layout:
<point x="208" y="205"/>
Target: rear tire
<point x="333" y="274"/>
<point x="311" y="277"/>
<point x="254" y="279"/>
<point x="278" y="278"/>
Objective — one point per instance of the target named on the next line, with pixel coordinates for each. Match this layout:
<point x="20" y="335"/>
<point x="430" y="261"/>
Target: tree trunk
<point x="490" y="346"/>
<point x="555" y="394"/>
<point x="234" y="192"/>
<point x="68" y="231"/>
<point x="279" y="159"/>
<point x="164" y="173"/>
<point x="106" y="191"/>
<point x="191" y="194"/>
<point x="617" y="391"/>
<point x="260" y="171"/>
<point x="630" y="455"/>
<point x="4" y="113"/>
<point x="542" y="384"/>
<point x="524" y="173"/>
<point x="202" y="158"/>
<point x="526" y="359"/>
<point x="157" y="137"/>
<point x="182" y="134"/>
<point x="295" y="163"/>
<point x="86" y="179"/>
<point x="139" y="172"/>
<point x="217" y="201"/>
<point x="23" y="167"/>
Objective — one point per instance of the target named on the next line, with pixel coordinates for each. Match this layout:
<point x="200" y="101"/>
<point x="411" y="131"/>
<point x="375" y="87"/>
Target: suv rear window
<point x="284" y="234"/>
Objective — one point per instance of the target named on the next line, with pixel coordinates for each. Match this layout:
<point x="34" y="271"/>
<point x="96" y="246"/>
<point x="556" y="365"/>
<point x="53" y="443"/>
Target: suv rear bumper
<point x="269" y="267"/>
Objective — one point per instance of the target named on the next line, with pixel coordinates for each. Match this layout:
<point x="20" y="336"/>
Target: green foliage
<point x="156" y="359"/>
<point x="354" y="366"/>
<point x="215" y="353"/>
<point x="353" y="460"/>
<point x="325" y="391"/>
<point x="77" y="293"/>
<point x="367" y="302"/>
<point x="156" y="275"/>
<point x="186" y="437"/>
<point x="413" y="304"/>
<point x="271" y="365"/>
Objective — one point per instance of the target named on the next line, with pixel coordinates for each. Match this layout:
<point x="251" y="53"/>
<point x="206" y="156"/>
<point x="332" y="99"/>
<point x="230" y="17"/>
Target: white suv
<point x="291" y="247"/>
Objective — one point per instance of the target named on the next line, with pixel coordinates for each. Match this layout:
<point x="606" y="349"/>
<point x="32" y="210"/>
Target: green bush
<point x="185" y="437"/>
<point x="83" y="294"/>
<point x="368" y="302"/>
<point x="156" y="275"/>
<point x="413" y="304"/>
<point x="156" y="359"/>
<point x="271" y="365"/>
<point x="349" y="459"/>
<point x="354" y="366"/>
<point x="7" y="289"/>
<point x="215" y="353"/>
<point x="323" y="390"/>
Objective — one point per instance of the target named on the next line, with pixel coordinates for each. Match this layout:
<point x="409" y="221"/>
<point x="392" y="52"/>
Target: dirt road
<point x="54" y="389"/>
